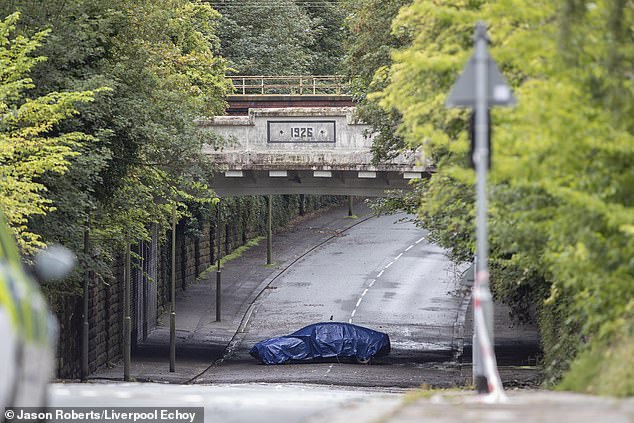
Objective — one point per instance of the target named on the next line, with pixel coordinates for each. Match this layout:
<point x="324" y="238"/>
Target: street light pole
<point x="85" y="370"/>
<point x="269" y="229"/>
<point x="219" y="270"/>
<point x="127" y="320"/>
<point x="173" y="295"/>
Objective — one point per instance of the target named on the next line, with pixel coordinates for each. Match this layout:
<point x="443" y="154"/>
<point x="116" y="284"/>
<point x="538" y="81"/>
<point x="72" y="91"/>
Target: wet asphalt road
<point x="382" y="273"/>
<point x="221" y="403"/>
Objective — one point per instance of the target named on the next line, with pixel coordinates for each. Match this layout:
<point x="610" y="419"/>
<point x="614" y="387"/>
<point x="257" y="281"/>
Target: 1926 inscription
<point x="301" y="131"/>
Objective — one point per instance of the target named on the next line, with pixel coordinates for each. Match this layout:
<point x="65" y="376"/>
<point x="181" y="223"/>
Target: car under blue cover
<point x="323" y="341"/>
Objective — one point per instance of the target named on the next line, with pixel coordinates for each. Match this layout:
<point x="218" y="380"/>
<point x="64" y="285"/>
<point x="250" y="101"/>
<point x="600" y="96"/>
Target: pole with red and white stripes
<point x="482" y="300"/>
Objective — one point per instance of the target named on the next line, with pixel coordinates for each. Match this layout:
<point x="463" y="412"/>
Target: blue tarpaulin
<point x="323" y="340"/>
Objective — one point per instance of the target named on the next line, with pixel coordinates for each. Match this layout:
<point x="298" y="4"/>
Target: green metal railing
<point x="291" y="85"/>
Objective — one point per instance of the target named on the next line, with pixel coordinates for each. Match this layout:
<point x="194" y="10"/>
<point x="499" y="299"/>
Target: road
<point x="223" y="403"/>
<point x="381" y="273"/>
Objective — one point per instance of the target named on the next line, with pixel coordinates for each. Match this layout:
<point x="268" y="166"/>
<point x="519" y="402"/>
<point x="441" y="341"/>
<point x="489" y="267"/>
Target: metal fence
<point x="291" y="85"/>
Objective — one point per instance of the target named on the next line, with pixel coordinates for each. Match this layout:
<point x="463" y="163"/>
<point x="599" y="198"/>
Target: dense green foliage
<point x="369" y="43"/>
<point x="30" y="146"/>
<point x="281" y="37"/>
<point x="562" y="188"/>
<point x="157" y="65"/>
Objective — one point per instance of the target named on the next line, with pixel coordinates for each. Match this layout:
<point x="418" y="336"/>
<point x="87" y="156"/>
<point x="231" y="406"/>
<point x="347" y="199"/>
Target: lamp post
<point x="173" y="295"/>
<point x="219" y="269"/>
<point x="85" y="370"/>
<point x="127" y="320"/>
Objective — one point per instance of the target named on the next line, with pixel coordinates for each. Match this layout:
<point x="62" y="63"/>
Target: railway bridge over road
<point x="299" y="135"/>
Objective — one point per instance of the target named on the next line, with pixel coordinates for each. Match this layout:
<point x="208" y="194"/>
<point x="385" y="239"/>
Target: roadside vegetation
<point x="98" y="101"/>
<point x="562" y="182"/>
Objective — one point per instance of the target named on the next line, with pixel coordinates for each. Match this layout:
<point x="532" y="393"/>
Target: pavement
<point x="520" y="406"/>
<point x="200" y="339"/>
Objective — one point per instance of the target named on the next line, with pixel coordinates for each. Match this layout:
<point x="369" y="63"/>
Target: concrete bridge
<point x="295" y="137"/>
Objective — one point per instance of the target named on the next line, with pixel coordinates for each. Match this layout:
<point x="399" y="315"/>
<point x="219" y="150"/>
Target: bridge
<point x="299" y="135"/>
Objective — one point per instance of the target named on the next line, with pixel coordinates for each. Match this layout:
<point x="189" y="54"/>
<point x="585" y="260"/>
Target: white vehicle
<point x="28" y="330"/>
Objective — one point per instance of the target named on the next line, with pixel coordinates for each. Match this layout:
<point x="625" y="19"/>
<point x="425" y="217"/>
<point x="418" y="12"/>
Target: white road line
<point x="422" y="239"/>
<point x="88" y="393"/>
<point x="380" y="273"/>
<point x="410" y="247"/>
<point x="389" y="264"/>
<point x="372" y="283"/>
<point x="398" y="257"/>
<point x="359" y="302"/>
<point x="330" y="368"/>
<point x="350" y="320"/>
<point x="364" y="292"/>
<point x="123" y="394"/>
<point x="353" y="313"/>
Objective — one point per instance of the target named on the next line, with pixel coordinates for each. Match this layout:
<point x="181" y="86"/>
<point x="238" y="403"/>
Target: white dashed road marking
<point x="374" y="280"/>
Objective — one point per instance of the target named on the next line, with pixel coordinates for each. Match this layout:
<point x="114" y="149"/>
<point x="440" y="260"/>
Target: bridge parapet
<point x="302" y="147"/>
<point x="328" y="138"/>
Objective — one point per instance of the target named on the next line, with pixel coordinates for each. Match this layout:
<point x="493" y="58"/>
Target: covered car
<point x="323" y="341"/>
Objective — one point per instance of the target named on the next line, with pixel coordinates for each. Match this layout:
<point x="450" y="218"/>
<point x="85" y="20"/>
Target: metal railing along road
<point x="291" y="85"/>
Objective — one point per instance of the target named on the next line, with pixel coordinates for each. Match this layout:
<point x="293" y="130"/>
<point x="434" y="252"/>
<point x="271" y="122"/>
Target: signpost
<point x="480" y="86"/>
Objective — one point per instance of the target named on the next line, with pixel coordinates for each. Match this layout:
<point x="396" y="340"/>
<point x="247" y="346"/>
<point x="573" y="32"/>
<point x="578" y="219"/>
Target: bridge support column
<point x="350" y="213"/>
<point x="269" y="230"/>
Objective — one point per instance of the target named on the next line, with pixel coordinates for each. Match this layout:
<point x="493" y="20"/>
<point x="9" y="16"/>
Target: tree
<point x="160" y="62"/>
<point x="266" y="38"/>
<point x="369" y="44"/>
<point x="562" y="182"/>
<point x="327" y="21"/>
<point x="31" y="143"/>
